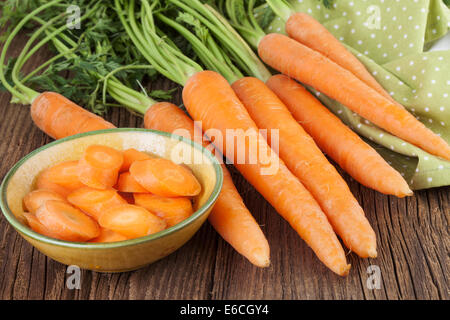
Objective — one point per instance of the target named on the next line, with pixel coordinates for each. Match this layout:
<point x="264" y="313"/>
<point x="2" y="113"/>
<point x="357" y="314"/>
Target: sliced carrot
<point x="67" y="222"/>
<point x="129" y="198"/>
<point x="130" y="156"/>
<point x="65" y="174"/>
<point x="99" y="166"/>
<point x="33" y="200"/>
<point x="94" y="202"/>
<point x="131" y="221"/>
<point x="43" y="182"/>
<point x="165" y="178"/>
<point x="127" y="183"/>
<point x="107" y="235"/>
<point x="35" y="225"/>
<point x="173" y="210"/>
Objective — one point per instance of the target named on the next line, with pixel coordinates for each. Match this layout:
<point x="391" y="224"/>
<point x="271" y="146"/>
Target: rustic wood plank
<point x="412" y="234"/>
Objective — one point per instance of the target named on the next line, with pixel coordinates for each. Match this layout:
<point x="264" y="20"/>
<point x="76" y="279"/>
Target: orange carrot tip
<point x="130" y="156"/>
<point x="173" y="210"/>
<point x="107" y="235"/>
<point x="127" y="183"/>
<point x="131" y="221"/>
<point x="33" y="200"/>
<point x="67" y="222"/>
<point x="65" y="174"/>
<point x="94" y="202"/>
<point x="43" y="182"/>
<point x="165" y="178"/>
<point x="99" y="166"/>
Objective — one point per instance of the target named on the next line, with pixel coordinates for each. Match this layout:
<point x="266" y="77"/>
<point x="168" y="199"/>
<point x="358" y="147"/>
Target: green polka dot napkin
<point x="391" y="37"/>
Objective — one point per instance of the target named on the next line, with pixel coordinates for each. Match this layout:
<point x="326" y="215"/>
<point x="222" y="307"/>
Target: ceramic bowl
<point x="115" y="256"/>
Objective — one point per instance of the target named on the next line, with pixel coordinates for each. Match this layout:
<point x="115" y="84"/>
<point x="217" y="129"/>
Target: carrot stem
<point x="244" y="21"/>
<point x="281" y="8"/>
<point x="157" y="51"/>
<point x="229" y="38"/>
<point x="209" y="58"/>
<point x="28" y="96"/>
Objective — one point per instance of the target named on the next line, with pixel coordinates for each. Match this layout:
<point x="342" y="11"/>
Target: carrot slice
<point x="99" y="166"/>
<point x="35" y="225"/>
<point x="94" y="202"/>
<point x="131" y="221"/>
<point x="43" y="182"/>
<point x="173" y="210"/>
<point x="65" y="174"/>
<point x="107" y="235"/>
<point x="165" y="178"/>
<point x="129" y="198"/>
<point x="127" y="183"/>
<point x="33" y="200"/>
<point x="67" y="222"/>
<point x="130" y="156"/>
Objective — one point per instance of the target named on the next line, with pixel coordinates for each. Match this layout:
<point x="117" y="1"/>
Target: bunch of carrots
<point x="306" y="189"/>
<point x="110" y="195"/>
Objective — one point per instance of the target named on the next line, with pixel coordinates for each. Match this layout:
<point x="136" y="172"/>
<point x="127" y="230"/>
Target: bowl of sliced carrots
<point x="111" y="200"/>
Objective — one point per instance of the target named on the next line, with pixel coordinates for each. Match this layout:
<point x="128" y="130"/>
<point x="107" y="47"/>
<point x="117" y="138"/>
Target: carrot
<point x="59" y="117"/>
<point x="126" y="183"/>
<point x="43" y="182"/>
<point x="107" y="235"/>
<point x="65" y="174"/>
<point x="36" y="226"/>
<point x="130" y="156"/>
<point x="229" y="216"/>
<point x="67" y="222"/>
<point x="128" y="197"/>
<point x="165" y="178"/>
<point x="131" y="221"/>
<point x="33" y="200"/>
<point x="307" y="162"/>
<point x="94" y="202"/>
<point x="172" y="210"/>
<point x="310" y="32"/>
<point x="208" y="97"/>
<point x="343" y="145"/>
<point x="312" y="68"/>
<point x="99" y="166"/>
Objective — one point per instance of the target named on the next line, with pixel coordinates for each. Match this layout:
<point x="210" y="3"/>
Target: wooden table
<point x="412" y="233"/>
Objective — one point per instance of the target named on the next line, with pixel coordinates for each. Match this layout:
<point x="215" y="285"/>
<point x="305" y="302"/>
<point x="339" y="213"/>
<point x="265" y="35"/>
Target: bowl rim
<point x="24" y="229"/>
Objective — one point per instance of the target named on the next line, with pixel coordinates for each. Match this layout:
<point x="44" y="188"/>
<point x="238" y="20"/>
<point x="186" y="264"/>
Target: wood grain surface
<point x="412" y="234"/>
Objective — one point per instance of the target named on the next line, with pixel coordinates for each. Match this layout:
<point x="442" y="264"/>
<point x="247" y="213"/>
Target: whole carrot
<point x="59" y="117"/>
<point x="312" y="68"/>
<point x="310" y="32"/>
<point x="54" y="114"/>
<point x="338" y="141"/>
<point x="302" y="156"/>
<point x="210" y="99"/>
<point x="229" y="216"/>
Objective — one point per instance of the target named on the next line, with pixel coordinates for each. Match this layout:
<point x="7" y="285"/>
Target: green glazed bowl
<point x="115" y="256"/>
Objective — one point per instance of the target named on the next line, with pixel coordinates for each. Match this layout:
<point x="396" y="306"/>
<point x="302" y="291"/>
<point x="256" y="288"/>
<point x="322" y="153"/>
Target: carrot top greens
<point x="84" y="57"/>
